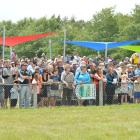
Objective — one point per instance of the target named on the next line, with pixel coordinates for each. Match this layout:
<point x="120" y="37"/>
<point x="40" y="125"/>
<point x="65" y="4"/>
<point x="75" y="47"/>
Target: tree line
<point x="106" y="25"/>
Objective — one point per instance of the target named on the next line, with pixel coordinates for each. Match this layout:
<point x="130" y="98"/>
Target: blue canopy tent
<point x="102" y="45"/>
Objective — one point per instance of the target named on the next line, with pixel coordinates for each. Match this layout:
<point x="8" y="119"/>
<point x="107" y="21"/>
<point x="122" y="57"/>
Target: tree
<point x="131" y="30"/>
<point x="136" y="14"/>
<point x="104" y="25"/>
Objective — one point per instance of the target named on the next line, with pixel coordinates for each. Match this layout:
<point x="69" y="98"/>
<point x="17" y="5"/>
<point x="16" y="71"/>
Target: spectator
<point x="130" y="72"/>
<point x="67" y="78"/>
<point x="14" y="95"/>
<point x="74" y="66"/>
<point x="92" y="71"/>
<point x="82" y="63"/>
<point x="60" y="66"/>
<point x="40" y="67"/>
<point x="131" y="79"/>
<point x="137" y="90"/>
<point x="124" y="88"/>
<point x="13" y="56"/>
<point x="102" y="66"/>
<point x="137" y="70"/>
<point x="96" y="78"/>
<point x="54" y="91"/>
<point x="123" y="81"/>
<point x="110" y="85"/>
<point x="31" y="67"/>
<point x="82" y="77"/>
<point x="44" y="94"/>
<point x="37" y="86"/>
<point x="8" y="81"/>
<point x="25" y="79"/>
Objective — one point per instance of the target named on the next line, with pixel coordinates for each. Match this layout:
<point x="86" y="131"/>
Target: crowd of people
<point x="40" y="82"/>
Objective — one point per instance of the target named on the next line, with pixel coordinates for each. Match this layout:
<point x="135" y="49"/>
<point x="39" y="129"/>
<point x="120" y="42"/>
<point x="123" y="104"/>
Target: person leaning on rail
<point x="67" y="78"/>
<point x="24" y="79"/>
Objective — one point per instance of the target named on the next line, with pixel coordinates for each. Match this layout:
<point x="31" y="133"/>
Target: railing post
<point x="100" y="93"/>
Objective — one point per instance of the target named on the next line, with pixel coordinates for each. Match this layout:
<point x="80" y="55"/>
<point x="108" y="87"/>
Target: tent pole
<point x="3" y="44"/>
<point x="10" y="52"/>
<point x="98" y="53"/>
<point x="50" y="47"/>
<point x="64" y="49"/>
<point x="106" y="49"/>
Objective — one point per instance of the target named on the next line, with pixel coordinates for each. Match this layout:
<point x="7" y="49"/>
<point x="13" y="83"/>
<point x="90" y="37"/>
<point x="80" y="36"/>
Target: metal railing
<point x="56" y="94"/>
<point x="119" y="92"/>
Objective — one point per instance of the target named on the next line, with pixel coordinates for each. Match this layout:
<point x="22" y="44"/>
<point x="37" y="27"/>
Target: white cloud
<point x="81" y="9"/>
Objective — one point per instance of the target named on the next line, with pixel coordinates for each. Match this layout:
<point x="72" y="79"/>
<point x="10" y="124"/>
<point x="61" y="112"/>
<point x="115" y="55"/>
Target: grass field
<point x="121" y="122"/>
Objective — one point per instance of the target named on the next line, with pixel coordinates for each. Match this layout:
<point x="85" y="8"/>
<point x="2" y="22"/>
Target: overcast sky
<point x="81" y="9"/>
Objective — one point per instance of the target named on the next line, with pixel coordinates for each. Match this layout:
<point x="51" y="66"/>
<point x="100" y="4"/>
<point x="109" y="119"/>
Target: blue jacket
<point x="137" y="72"/>
<point x="82" y="77"/>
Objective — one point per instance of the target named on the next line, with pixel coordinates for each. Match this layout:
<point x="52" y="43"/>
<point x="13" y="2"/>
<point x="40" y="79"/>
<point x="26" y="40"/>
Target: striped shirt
<point x="68" y="78"/>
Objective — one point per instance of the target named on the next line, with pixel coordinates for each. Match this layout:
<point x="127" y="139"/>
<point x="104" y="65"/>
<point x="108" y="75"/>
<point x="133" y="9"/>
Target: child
<point x="36" y="88"/>
<point x="124" y="88"/>
<point x="14" y="95"/>
<point x="137" y="90"/>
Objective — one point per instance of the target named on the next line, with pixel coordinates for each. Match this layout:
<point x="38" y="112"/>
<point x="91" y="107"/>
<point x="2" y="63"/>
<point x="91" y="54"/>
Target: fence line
<point x="38" y="95"/>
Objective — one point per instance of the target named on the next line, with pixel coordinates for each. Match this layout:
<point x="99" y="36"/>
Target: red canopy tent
<point x="15" y="40"/>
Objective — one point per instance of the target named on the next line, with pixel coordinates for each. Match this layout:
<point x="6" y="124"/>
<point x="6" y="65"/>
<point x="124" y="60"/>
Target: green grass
<point x="120" y="122"/>
<point x="132" y="48"/>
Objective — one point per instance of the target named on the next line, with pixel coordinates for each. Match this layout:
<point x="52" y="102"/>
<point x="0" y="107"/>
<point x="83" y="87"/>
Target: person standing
<point x="82" y="77"/>
<point x="124" y="88"/>
<point x="45" y="88"/>
<point x="8" y="81"/>
<point x="25" y="79"/>
<point x="131" y="79"/>
<point x="13" y="56"/>
<point x="123" y="79"/>
<point x="36" y="88"/>
<point x="98" y="76"/>
<point x="67" y="78"/>
<point x="137" y="90"/>
<point x="14" y="95"/>
<point x="54" y="91"/>
<point x="137" y="70"/>
<point x="111" y="79"/>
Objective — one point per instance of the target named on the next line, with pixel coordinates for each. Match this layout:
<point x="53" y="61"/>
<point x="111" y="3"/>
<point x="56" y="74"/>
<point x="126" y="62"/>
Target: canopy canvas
<point x="15" y="40"/>
<point x="135" y="48"/>
<point x="101" y="45"/>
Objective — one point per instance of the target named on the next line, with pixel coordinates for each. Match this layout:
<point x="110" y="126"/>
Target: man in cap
<point x="24" y="78"/>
